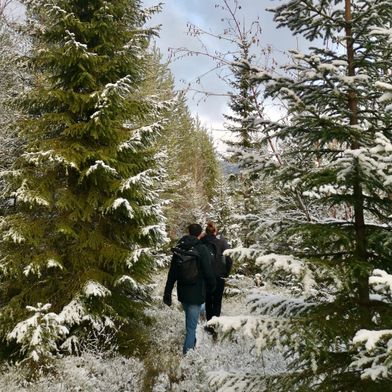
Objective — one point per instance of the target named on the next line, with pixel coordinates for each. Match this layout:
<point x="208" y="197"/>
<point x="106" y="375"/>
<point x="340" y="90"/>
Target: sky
<point x="174" y="18"/>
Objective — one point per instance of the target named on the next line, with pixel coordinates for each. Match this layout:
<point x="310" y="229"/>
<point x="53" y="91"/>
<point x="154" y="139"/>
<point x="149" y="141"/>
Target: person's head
<point x="195" y="229"/>
<point x="211" y="228"/>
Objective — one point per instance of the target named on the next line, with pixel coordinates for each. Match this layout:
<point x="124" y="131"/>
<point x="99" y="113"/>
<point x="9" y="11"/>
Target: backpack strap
<point x="178" y="251"/>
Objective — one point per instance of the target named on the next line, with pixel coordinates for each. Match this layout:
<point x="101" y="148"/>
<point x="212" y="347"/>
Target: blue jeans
<point x="192" y="313"/>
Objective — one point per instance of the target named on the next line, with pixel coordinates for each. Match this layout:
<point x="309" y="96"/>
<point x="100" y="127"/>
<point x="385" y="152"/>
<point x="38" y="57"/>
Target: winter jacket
<point x="192" y="294"/>
<point x="221" y="269"/>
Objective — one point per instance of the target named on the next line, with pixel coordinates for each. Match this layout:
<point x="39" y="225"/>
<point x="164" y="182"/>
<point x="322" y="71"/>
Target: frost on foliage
<point x="387" y="95"/>
<point x="264" y="330"/>
<point x="50" y="156"/>
<point x="112" y="94"/>
<point x="374" y="161"/>
<point x="72" y="46"/>
<point x="71" y="345"/>
<point x="32" y="269"/>
<point x="38" y="335"/>
<point x="381" y="283"/>
<point x="52" y="263"/>
<point x="141" y="179"/>
<point x="102" y="166"/>
<point x="374" y="358"/>
<point x="26" y="195"/>
<point x="289" y="264"/>
<point x="273" y="264"/>
<point x="141" y="137"/>
<point x="387" y="33"/>
<point x="73" y="313"/>
<point x="76" y="312"/>
<point x="135" y="255"/>
<point x="12" y="235"/>
<point x="95" y="289"/>
<point x="125" y="279"/>
<point x="156" y="229"/>
<point x="121" y="202"/>
<point x="277" y="305"/>
<point x="88" y="371"/>
<point x="223" y="381"/>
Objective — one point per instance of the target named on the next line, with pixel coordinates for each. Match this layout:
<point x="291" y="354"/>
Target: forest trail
<point x="223" y="365"/>
<point x="201" y="369"/>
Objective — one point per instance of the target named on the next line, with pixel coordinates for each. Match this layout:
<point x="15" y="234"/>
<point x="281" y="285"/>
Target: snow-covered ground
<point x="214" y="365"/>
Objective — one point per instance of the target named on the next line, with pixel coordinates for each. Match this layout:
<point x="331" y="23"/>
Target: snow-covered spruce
<point x="87" y="211"/>
<point x="333" y="178"/>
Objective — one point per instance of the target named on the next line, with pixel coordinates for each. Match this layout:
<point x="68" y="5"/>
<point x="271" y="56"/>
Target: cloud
<point x="175" y="16"/>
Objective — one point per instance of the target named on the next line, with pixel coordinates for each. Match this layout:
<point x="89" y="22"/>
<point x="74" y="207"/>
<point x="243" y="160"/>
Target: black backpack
<point x="187" y="265"/>
<point x="218" y="259"/>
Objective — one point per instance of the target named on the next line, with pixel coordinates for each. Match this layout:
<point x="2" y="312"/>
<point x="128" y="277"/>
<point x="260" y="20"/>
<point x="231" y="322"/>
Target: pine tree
<point x="79" y="237"/>
<point x="243" y="103"/>
<point x="12" y="73"/>
<point x="340" y="122"/>
<point x="192" y="169"/>
<point x="223" y="210"/>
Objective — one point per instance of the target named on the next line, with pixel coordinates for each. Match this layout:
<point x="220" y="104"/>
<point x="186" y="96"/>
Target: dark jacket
<point x="192" y="294"/>
<point x="222" y="266"/>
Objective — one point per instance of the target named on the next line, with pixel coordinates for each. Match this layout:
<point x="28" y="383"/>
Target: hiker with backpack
<point x="221" y="266"/>
<point x="191" y="268"/>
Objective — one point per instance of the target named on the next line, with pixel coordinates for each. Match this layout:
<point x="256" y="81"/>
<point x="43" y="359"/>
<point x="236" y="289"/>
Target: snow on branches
<point x="381" y="283"/>
<point x="374" y="359"/>
<point x="38" y="334"/>
<point x="275" y="266"/>
<point x="95" y="289"/>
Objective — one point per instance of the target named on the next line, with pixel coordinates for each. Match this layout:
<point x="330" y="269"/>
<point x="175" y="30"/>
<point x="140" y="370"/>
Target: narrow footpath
<point x="215" y="363"/>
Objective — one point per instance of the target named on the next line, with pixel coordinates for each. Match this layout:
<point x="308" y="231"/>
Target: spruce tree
<point x="340" y="119"/>
<point x="243" y="105"/>
<point x="79" y="237"/>
<point x="223" y="212"/>
<point x="12" y="74"/>
<point x="192" y="168"/>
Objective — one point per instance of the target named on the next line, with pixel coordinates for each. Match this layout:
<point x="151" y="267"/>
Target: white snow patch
<point x="95" y="289"/>
<point x="126" y="279"/>
<point x="100" y="165"/>
<point x="371" y="338"/>
<point x="121" y="202"/>
<point x="73" y="313"/>
<point x="52" y="263"/>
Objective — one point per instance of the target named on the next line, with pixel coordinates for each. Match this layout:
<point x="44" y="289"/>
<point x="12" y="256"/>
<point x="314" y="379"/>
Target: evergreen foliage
<point x="86" y="216"/>
<point x="223" y="212"/>
<point x="185" y="153"/>
<point x="12" y="75"/>
<point x="192" y="169"/>
<point x="245" y="144"/>
<point x="340" y="117"/>
<point x="245" y="147"/>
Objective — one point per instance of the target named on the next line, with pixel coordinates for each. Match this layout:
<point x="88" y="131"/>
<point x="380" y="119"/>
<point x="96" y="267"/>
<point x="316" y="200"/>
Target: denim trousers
<point x="192" y="313"/>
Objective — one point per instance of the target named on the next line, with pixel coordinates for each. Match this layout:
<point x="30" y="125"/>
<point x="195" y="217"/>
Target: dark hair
<point x="211" y="228"/>
<point x="195" y="229"/>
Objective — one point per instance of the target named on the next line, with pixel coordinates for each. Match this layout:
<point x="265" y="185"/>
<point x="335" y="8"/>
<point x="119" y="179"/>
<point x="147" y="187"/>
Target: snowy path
<point x="214" y="366"/>
<point x="211" y="360"/>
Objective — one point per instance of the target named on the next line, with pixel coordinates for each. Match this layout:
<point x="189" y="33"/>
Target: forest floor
<point x="215" y="364"/>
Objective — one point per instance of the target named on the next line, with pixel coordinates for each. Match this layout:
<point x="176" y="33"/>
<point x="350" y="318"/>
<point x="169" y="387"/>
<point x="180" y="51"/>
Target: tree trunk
<point x="359" y="219"/>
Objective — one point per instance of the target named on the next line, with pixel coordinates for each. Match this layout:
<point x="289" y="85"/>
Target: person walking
<point x="190" y="292"/>
<point x="221" y="266"/>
